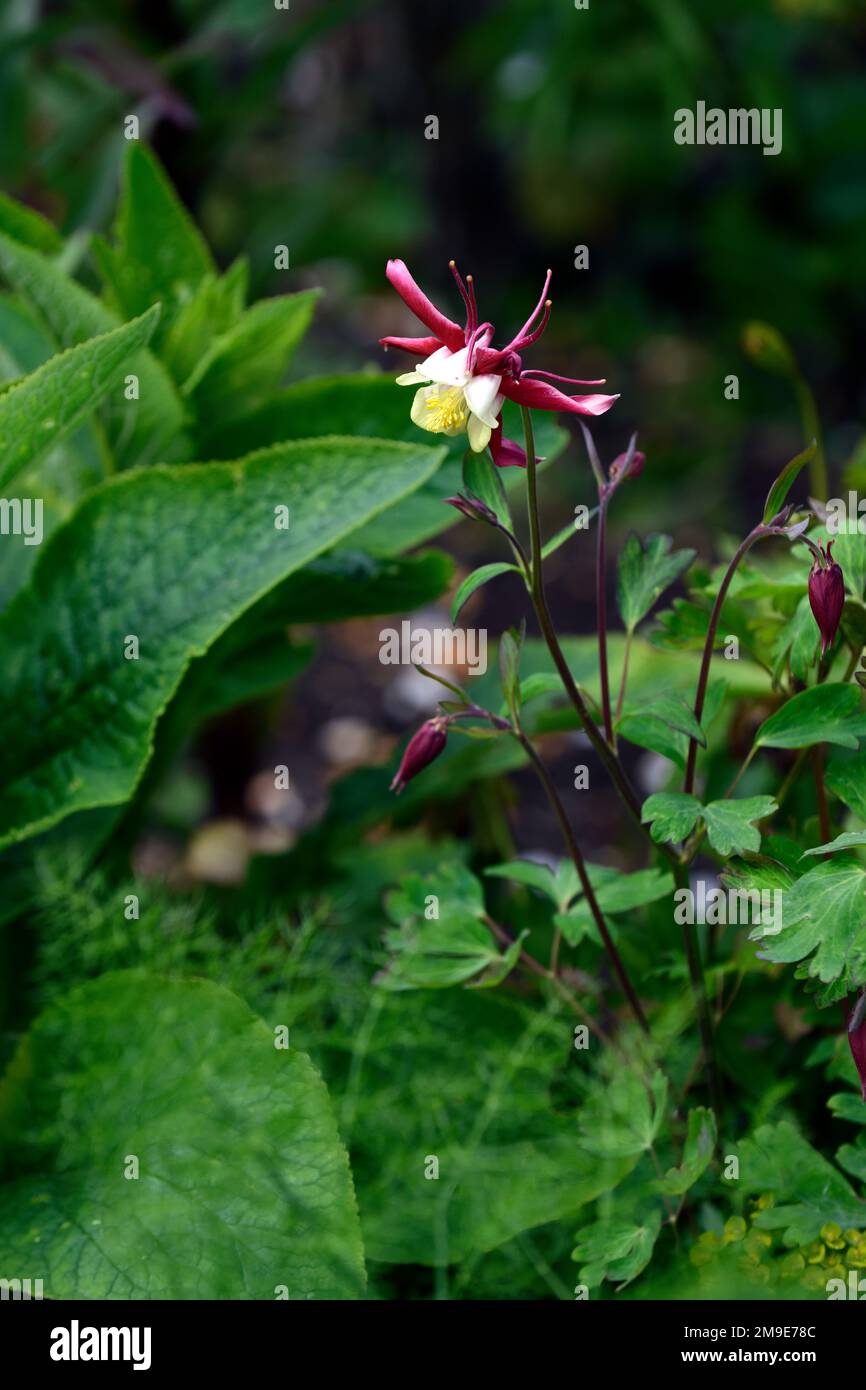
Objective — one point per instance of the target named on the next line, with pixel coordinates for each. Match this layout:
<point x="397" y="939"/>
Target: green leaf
<point x="24" y="224"/>
<point x="698" y="1151"/>
<point x="215" y="307"/>
<point x="63" y="638"/>
<point x="671" y="815"/>
<point x="139" y="431"/>
<point x="438" y="954"/>
<point x="785" y="481"/>
<point x="483" y="479"/>
<point x="729" y="823"/>
<point x="848" y="1105"/>
<point x="645" y="571"/>
<point x="615" y="892"/>
<point x="475" y="581"/>
<point x="616" y="1250"/>
<point x="849" y="550"/>
<point x="243" y="1182"/>
<point x="657" y="724"/>
<point x="823" y="916"/>
<point x="509" y="668"/>
<point x="247" y="362"/>
<point x="623" y="1116"/>
<point x="482" y="1198"/>
<point x="846" y="777"/>
<point x="532" y="875"/>
<point x="821" y="714"/>
<point x="809" y="1191"/>
<point x="40" y="411"/>
<point x="849" y="840"/>
<point x="160" y="255"/>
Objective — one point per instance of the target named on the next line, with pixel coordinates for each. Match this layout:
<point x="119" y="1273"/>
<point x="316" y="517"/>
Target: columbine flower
<point x="463" y="380"/>
<point x="826" y="594"/>
<point x="424" y="745"/>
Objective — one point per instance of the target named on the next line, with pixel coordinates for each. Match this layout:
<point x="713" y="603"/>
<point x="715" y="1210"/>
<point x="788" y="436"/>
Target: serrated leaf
<point x="623" y="1116"/>
<point x="809" y="1191"/>
<point x="243" y="1183"/>
<point x="140" y="431"/>
<point x="79" y="717"/>
<point x="821" y="714"/>
<point x="645" y="571"/>
<point x="25" y="224"/>
<point x="616" y="1250"/>
<point x="729" y="823"/>
<point x="40" y="411"/>
<point x="475" y="581"/>
<point x="824" y="918"/>
<point x="160" y="256"/>
<point x="246" y="363"/>
<point x="671" y="816"/>
<point x="615" y="893"/>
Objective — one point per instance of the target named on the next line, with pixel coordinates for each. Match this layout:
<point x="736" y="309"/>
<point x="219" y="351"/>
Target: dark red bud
<point x="857" y="1040"/>
<point x="424" y="745"/>
<point x="474" y="508"/>
<point x="634" y="469"/>
<point x="826" y="595"/>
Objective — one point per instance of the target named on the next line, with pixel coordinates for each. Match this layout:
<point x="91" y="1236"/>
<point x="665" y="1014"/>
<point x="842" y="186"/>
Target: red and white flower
<point x="463" y="380"/>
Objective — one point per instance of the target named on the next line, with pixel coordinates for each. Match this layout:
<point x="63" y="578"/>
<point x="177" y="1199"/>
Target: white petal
<point x="411" y="378"/>
<point x="481" y="394"/>
<point x="445" y="367"/>
<point x="479" y="434"/>
<point x="419" y="413"/>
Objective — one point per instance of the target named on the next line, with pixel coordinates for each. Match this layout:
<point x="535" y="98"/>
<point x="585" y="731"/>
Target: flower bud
<point x="826" y="595"/>
<point x="474" y="508"/>
<point x="857" y="1040"/>
<point x="424" y="745"/>
<point x="633" y="467"/>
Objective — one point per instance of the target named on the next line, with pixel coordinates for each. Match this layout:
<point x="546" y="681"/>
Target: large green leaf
<point x="821" y="714"/>
<point x="242" y="1187"/>
<point x="40" y="411"/>
<point x="139" y="431"/>
<point x="172" y="556"/>
<point x="846" y="776"/>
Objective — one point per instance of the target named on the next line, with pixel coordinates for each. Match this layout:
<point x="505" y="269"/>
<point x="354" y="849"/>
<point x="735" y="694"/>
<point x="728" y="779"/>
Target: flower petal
<point x="421" y="347"/>
<point x="415" y="299"/>
<point x="540" y="395"/>
<point x="479" y="434"/>
<point x="506" y="454"/>
<point x="446" y="367"/>
<point x="483" y="398"/>
<point x="412" y="379"/>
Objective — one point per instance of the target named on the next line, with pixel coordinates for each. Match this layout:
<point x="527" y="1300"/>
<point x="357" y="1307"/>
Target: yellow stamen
<point x="449" y="410"/>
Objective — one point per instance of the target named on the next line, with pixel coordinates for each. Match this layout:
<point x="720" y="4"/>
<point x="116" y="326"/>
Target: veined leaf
<point x="40" y="411"/>
<point x="671" y="815"/>
<point x="645" y="571"/>
<point x="242" y="1186"/>
<point x="729" y="823"/>
<point x="139" y="431"/>
<point x="698" y="1151"/>
<point x="475" y="581"/>
<point x="79" y="717"/>
<point x="824" y="918"/>
<point x="821" y="714"/>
